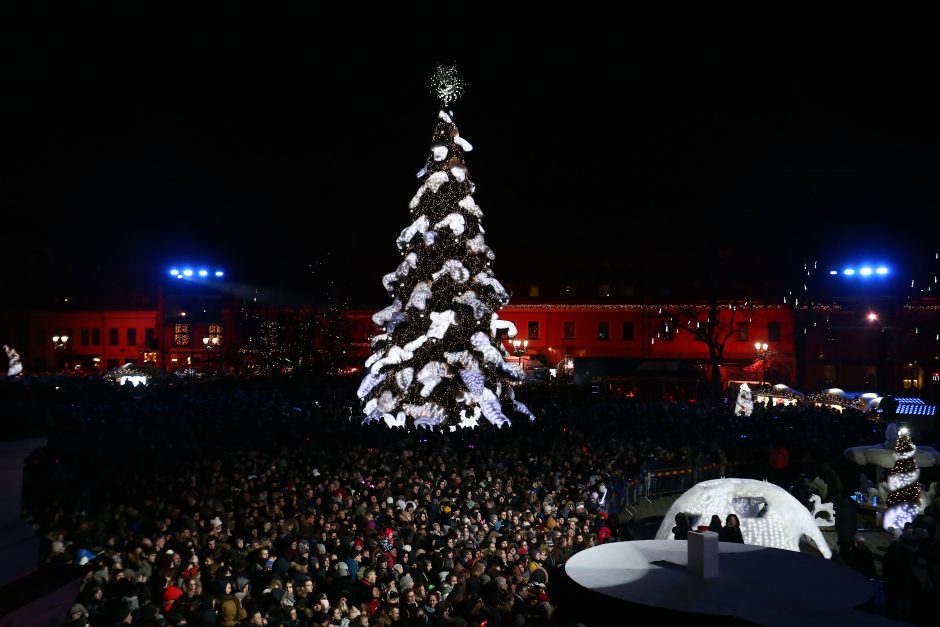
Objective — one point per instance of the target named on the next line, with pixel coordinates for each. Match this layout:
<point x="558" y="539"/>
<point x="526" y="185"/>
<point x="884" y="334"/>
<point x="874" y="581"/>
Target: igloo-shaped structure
<point x="769" y="515"/>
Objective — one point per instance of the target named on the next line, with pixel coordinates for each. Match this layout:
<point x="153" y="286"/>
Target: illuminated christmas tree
<point x="744" y="406"/>
<point x="440" y="361"/>
<point x="904" y="491"/>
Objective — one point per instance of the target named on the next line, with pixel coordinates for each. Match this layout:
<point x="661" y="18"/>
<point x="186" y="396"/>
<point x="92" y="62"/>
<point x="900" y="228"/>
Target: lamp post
<point x="519" y="349"/>
<point x="762" y="353"/>
<point x="211" y="343"/>
<point x="61" y="344"/>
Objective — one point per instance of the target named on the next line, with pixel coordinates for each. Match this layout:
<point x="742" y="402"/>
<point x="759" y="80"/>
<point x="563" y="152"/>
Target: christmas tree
<point x="744" y="406"/>
<point x="440" y="361"/>
<point x="904" y="491"/>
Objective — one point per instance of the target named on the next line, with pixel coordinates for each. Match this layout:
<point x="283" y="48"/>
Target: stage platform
<point x="648" y="579"/>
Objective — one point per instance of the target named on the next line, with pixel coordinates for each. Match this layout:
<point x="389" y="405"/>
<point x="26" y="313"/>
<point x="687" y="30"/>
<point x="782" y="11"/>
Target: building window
<point x="112" y="337"/>
<point x="743" y="329"/>
<point x="773" y="332"/>
<point x="215" y="334"/>
<point x="132" y="337"/>
<point x="568" y="330"/>
<point x="629" y="331"/>
<point x="150" y="338"/>
<point x="534" y="291"/>
<point x="570" y="291"/>
<point x="86" y="336"/>
<point x="603" y="291"/>
<point x="533" y="331"/>
<point x="603" y="331"/>
<point x="95" y="336"/>
<point x="180" y="334"/>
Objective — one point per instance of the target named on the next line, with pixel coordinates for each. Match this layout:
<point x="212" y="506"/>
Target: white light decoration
<point x="744" y="406"/>
<point x="15" y="367"/>
<point x="419" y="296"/>
<point x="440" y="322"/>
<point x="481" y="343"/>
<point x="446" y="85"/>
<point x="439" y="151"/>
<point x="453" y="221"/>
<point x="381" y="317"/>
<point x="769" y="515"/>
<point x="454" y="269"/>
<point x="418" y="226"/>
<point x="470" y="299"/>
<point x="463" y="143"/>
<point x="498" y="326"/>
<point x="470" y="207"/>
<point x="905" y="494"/>
<point x="435" y="181"/>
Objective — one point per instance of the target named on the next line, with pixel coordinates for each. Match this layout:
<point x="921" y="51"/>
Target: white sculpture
<point x="826" y="509"/>
<point x="769" y="515"/>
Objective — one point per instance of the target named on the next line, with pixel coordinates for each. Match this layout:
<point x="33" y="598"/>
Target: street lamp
<point x="519" y="349"/>
<point x="762" y="353"/>
<point x="210" y="343"/>
<point x="61" y="344"/>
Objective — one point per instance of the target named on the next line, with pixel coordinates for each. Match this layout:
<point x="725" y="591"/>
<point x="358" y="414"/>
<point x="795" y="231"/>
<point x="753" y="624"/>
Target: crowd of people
<point x="252" y="502"/>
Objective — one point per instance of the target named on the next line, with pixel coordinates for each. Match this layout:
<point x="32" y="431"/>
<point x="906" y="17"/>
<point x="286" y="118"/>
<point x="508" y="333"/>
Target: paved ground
<point x="649" y="515"/>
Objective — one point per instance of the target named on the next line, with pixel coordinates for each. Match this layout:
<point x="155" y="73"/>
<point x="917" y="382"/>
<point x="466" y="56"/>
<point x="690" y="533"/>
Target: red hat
<point x="358" y="543"/>
<point x="389" y="531"/>
<point x="603" y="515"/>
<point x="603" y="534"/>
<point x="170" y="595"/>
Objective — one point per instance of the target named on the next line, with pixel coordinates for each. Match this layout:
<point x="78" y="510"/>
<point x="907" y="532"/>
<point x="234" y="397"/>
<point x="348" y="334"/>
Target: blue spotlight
<point x="219" y="273"/>
<point x="833" y="272"/>
<point x="848" y="271"/>
<point x="866" y="271"/>
<point x="206" y="273"/>
<point x="882" y="270"/>
<point x="179" y="276"/>
<point x="174" y="271"/>
<point x="187" y="272"/>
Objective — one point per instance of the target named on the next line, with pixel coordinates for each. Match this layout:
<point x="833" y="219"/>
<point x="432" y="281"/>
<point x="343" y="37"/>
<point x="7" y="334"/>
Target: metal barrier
<point x="673" y="480"/>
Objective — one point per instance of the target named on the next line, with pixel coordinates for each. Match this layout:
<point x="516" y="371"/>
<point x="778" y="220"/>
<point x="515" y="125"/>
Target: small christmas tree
<point x="15" y="367"/>
<point x="904" y="491"/>
<point x="744" y="405"/>
<point x="440" y="360"/>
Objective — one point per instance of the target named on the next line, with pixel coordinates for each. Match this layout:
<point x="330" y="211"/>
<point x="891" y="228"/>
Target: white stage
<point x="757" y="584"/>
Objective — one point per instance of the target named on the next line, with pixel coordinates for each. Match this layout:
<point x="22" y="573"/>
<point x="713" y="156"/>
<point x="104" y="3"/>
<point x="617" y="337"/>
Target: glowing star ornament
<point x="446" y="84"/>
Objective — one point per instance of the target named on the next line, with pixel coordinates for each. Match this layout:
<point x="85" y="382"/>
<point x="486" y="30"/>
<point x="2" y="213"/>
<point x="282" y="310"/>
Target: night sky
<point x="265" y="150"/>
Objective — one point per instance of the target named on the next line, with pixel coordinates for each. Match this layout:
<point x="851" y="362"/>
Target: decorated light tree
<point x="14" y="367"/>
<point x="904" y="491"/>
<point x="440" y="360"/>
<point x="744" y="406"/>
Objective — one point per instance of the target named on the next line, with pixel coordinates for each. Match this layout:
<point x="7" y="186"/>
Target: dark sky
<point x="265" y="148"/>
